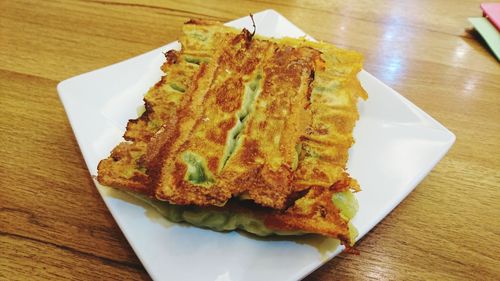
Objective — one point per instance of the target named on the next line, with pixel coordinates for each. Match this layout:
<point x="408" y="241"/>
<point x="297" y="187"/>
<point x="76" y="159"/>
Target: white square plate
<point x="397" y="144"/>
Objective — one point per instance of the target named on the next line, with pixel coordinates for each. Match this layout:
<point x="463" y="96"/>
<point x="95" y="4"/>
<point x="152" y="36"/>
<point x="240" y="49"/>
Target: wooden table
<point x="54" y="225"/>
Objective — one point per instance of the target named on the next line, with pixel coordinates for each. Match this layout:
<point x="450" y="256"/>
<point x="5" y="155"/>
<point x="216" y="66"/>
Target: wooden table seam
<point x="106" y="260"/>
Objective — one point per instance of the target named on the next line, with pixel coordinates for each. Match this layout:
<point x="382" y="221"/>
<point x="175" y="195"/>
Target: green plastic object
<point x="488" y="32"/>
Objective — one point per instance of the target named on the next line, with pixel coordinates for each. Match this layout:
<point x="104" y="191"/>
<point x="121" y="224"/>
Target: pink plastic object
<point x="492" y="12"/>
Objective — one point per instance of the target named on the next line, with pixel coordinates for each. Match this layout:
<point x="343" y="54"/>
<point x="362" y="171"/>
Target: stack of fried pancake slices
<point x="248" y="127"/>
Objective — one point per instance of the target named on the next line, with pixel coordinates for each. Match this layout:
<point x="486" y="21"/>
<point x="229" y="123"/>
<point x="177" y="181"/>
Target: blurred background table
<point x="54" y="225"/>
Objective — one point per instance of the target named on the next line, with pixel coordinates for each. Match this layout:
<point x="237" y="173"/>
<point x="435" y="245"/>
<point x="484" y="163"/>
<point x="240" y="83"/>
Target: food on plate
<point x="246" y="132"/>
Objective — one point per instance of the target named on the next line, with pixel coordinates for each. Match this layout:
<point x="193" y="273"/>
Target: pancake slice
<point x="126" y="166"/>
<point x="325" y="144"/>
<point x="207" y="125"/>
<point x="265" y="157"/>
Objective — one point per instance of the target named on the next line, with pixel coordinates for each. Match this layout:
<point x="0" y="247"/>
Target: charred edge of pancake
<point x="197" y="21"/>
<point x="346" y="241"/>
<point x="194" y="21"/>
<point x="294" y="196"/>
<point x="350" y="249"/>
<point x="144" y="117"/>
<point x="309" y="91"/>
<point x="343" y="185"/>
<point x="247" y="36"/>
<point x="171" y="56"/>
<point x="236" y="205"/>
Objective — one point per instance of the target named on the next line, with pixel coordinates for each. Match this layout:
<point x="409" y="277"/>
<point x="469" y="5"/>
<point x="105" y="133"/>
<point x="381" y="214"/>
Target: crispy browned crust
<point x="314" y="212"/>
<point x="295" y="136"/>
<point x="289" y="157"/>
<point x="262" y="166"/>
<point x="209" y="100"/>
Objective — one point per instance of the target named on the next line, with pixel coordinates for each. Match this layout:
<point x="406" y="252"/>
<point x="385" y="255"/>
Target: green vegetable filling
<point x="177" y="87"/>
<point x="252" y="90"/>
<point x="224" y="220"/>
<point x="197" y="173"/>
<point x="347" y="204"/>
<point x="193" y="60"/>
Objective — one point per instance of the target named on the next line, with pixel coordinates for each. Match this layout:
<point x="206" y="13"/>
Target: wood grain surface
<point x="54" y="225"/>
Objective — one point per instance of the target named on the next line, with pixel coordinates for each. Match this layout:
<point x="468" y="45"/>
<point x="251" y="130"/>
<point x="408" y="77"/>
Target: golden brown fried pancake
<point x="262" y="119"/>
